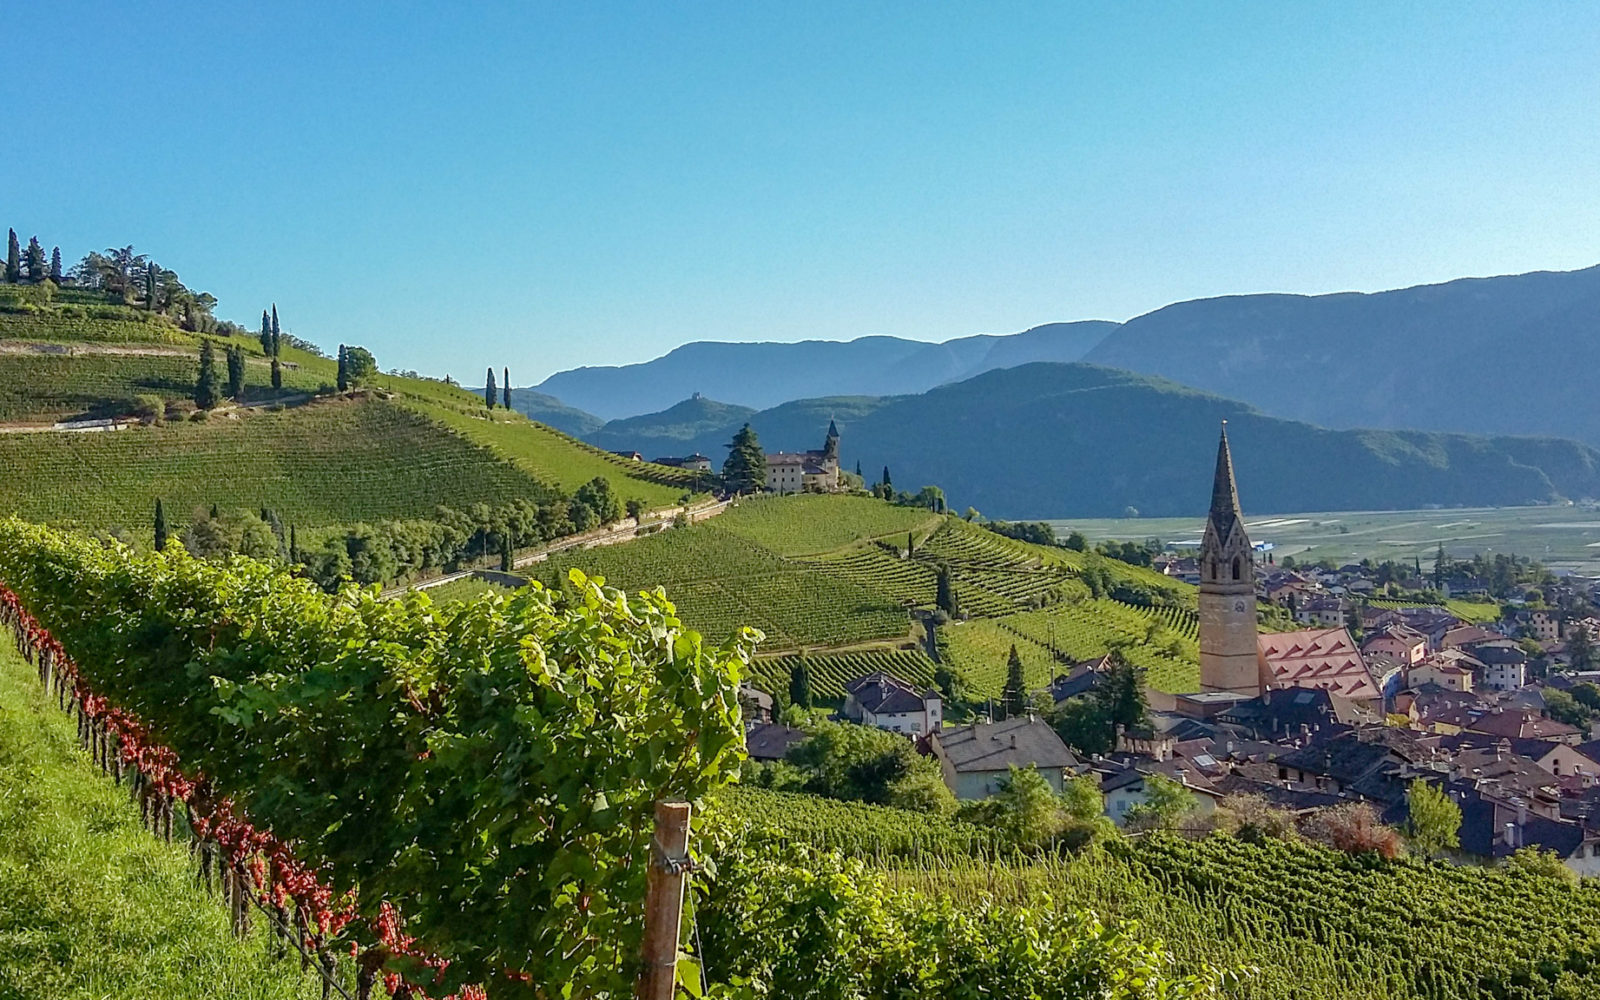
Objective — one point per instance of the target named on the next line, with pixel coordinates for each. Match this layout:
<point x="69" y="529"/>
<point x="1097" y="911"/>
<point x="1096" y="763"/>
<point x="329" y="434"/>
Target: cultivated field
<point x="1560" y="537"/>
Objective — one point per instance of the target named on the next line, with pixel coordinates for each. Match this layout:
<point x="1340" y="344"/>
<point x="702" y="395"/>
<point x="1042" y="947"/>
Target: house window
<point x="916" y="727"/>
<point x="1236" y="567"/>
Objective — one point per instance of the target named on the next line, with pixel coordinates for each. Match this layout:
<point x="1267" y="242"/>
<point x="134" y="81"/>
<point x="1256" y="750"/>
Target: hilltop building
<point x="1228" y="663"/>
<point x="806" y="471"/>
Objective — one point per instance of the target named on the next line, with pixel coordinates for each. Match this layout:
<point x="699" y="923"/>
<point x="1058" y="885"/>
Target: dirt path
<point x="152" y="350"/>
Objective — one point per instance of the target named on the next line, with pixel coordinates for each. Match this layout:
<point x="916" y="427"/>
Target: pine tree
<point x="277" y="332"/>
<point x="1014" y="696"/>
<point x="55" y="265"/>
<point x="13" y="259"/>
<point x="34" y="260"/>
<point x="235" y="371"/>
<point x="344" y="371"/>
<point x="277" y="376"/>
<point x="745" y="470"/>
<point x="488" y="390"/>
<point x="505" y="387"/>
<point x="266" y="334"/>
<point x="161" y="527"/>
<point x="205" y="387"/>
<point x="800" y="683"/>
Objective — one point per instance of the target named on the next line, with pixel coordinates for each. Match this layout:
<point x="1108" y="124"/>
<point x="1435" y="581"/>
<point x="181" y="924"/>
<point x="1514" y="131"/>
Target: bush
<point x="152" y="409"/>
<point x="1355" y="829"/>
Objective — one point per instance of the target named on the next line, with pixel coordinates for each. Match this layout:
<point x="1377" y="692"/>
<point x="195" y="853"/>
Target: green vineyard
<point x="59" y="387"/>
<point x="329" y="463"/>
<point x="1316" y="922"/>
<point x="831" y="671"/>
<point x="880" y="834"/>
<point x="812" y="525"/>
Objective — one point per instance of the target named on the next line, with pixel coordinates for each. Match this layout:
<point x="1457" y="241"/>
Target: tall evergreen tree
<point x="344" y="370"/>
<point x="745" y="470"/>
<point x="266" y="334"/>
<point x="277" y="332"/>
<point x="294" y="545"/>
<point x="1438" y="568"/>
<point x="277" y="375"/>
<point x="1014" y="696"/>
<point x="34" y="259"/>
<point x="488" y="390"/>
<point x="800" y="682"/>
<point x="235" y="371"/>
<point x="505" y="552"/>
<point x="505" y="388"/>
<point x="151" y="274"/>
<point x="13" y="259"/>
<point x="55" y="265"/>
<point x="887" y="482"/>
<point x="206" y="386"/>
<point x="945" y="593"/>
<point x="215" y="513"/>
<point x="161" y="526"/>
<point x="858" y="471"/>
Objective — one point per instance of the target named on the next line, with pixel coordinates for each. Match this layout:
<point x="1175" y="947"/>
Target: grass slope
<point x="328" y="463"/>
<point x="59" y="387"/>
<point x="815" y="524"/>
<point x="92" y="906"/>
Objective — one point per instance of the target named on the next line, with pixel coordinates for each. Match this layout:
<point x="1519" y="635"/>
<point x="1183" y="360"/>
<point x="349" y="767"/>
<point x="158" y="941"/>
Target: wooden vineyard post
<point x="663" y="903"/>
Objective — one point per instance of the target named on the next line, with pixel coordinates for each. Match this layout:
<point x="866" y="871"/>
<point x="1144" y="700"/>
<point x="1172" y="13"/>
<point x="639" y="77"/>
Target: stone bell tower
<point x="1227" y="589"/>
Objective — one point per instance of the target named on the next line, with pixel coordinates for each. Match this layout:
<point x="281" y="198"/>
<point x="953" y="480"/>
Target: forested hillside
<point x="1046" y="440"/>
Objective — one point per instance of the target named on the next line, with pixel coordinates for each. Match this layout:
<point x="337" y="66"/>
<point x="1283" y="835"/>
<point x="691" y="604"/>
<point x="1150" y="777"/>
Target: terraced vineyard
<point x="58" y="386"/>
<point x="1162" y="641"/>
<point x="100" y="323"/>
<point x="811" y="525"/>
<point x="720" y="582"/>
<point x="831" y="671"/>
<point x="880" y="834"/>
<point x="329" y="463"/>
<point x="553" y="457"/>
<point x="464" y="589"/>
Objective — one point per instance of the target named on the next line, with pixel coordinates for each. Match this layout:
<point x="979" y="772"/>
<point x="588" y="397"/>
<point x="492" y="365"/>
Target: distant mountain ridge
<point x="1501" y="355"/>
<point x="761" y="375"/>
<point x="1078" y="440"/>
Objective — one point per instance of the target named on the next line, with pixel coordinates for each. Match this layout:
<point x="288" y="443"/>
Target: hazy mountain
<point x="1506" y="355"/>
<point x="1061" y="440"/>
<point x="763" y="374"/>
<point x="670" y="432"/>
<point x="548" y="409"/>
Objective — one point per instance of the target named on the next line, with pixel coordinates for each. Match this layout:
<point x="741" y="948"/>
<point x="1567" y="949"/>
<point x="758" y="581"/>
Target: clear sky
<point x="546" y="185"/>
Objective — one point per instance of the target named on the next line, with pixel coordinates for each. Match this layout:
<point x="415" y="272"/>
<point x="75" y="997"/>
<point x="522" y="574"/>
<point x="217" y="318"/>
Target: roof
<point x="1286" y="710"/>
<point x="771" y="741"/>
<point x="1225" y="512"/>
<point x="1322" y="658"/>
<point x="1024" y="741"/>
<point x="885" y="694"/>
<point x="1398" y="632"/>
<point x="1276" y="793"/>
<point x="1366" y="761"/>
<point x="1081" y="679"/>
<point x="1484" y="821"/>
<point x="1521" y="725"/>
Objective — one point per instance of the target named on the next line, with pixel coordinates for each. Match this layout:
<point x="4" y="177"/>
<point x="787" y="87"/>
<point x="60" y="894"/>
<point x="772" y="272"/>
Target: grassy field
<point x="329" y="463"/>
<point x="92" y="906"/>
<point x="1560" y="537"/>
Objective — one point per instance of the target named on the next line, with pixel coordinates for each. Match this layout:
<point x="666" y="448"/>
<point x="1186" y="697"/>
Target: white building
<point x="884" y="701"/>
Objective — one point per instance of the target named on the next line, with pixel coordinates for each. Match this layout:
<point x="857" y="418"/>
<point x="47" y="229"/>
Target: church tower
<point x="830" y="447"/>
<point x="1227" y="589"/>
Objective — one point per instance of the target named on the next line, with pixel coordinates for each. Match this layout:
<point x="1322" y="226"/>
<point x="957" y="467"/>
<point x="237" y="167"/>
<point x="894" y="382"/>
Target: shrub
<point x="1355" y="829"/>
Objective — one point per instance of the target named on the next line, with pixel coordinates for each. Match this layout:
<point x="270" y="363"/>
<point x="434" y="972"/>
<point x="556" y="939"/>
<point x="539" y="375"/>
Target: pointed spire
<point x="1224" y="491"/>
<point x="833" y="429"/>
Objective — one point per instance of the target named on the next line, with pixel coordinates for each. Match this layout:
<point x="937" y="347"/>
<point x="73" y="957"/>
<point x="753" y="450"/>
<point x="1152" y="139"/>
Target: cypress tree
<point x="1014" y="697"/>
<point x="911" y="544"/>
<point x="277" y="375"/>
<point x="55" y="265"/>
<point x="214" y="512"/>
<point x="35" y="260"/>
<point x="235" y="371"/>
<point x="205" y="387"/>
<point x="150" y="287"/>
<point x="13" y="259"/>
<point x="277" y="332"/>
<point x="266" y="334"/>
<point x="505" y="387"/>
<point x="161" y="527"/>
<point x="945" y="596"/>
<point x="294" y="545"/>
<point x="800" y="683"/>
<point x="886" y="480"/>
<point x="858" y="471"/>
<point x="488" y="390"/>
<point x="344" y="370"/>
<point x="505" y="552"/>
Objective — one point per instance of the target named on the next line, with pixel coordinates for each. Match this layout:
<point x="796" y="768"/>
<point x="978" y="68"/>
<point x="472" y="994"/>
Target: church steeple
<point x="1225" y="511"/>
<point x="830" y="447"/>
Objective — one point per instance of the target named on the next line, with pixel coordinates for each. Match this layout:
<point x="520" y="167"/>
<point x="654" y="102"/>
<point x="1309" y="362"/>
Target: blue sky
<point x="544" y="186"/>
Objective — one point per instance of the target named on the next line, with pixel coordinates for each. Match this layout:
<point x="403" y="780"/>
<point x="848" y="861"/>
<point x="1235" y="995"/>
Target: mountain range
<point x="1502" y="355"/>
<point x="1049" y="439"/>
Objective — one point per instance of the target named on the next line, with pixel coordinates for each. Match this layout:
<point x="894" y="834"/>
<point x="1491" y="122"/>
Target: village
<point x="1315" y="692"/>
